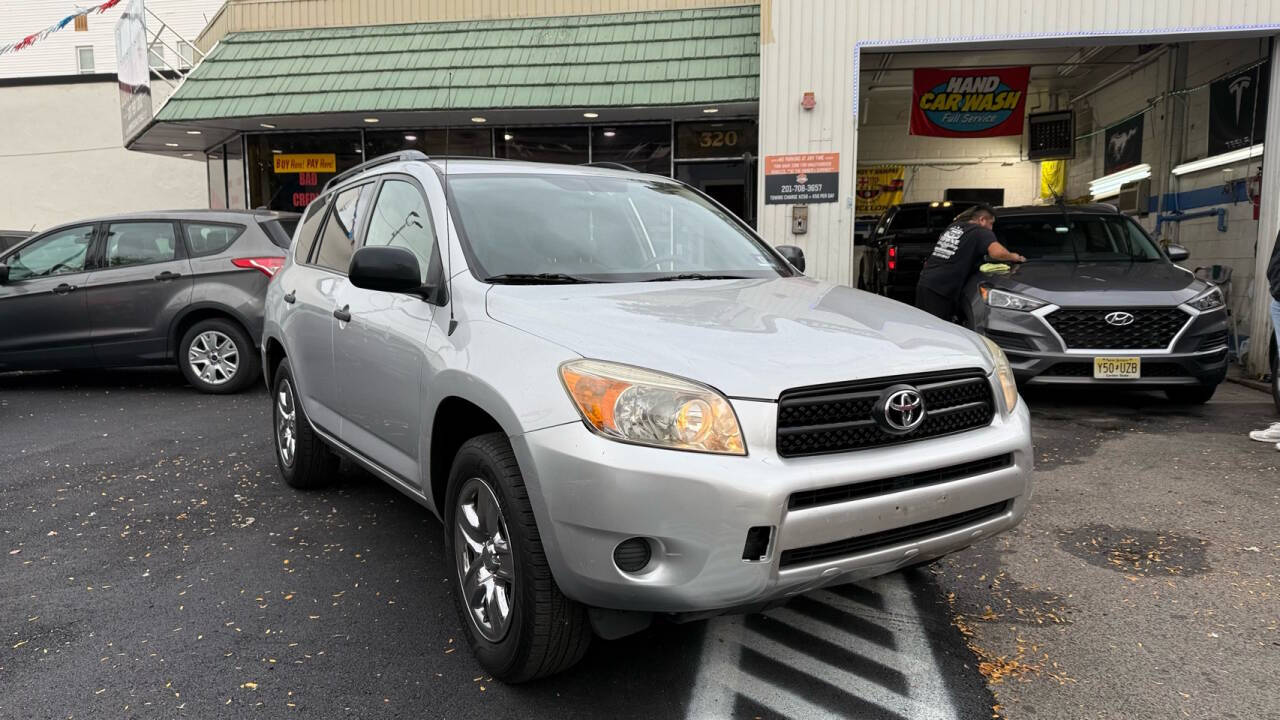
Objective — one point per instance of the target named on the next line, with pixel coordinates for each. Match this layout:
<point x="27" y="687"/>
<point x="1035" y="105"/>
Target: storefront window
<point x="730" y="138"/>
<point x="287" y="170"/>
<point x="646" y="148"/>
<point x="236" y="198"/>
<point x="460" y="141"/>
<point x="544" y="144"/>
<point x="217" y="180"/>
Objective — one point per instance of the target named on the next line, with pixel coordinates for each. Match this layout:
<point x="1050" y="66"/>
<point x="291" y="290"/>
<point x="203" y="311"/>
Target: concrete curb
<point x="1255" y="384"/>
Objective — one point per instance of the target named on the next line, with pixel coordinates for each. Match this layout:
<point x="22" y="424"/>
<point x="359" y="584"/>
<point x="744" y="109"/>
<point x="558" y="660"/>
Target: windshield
<point x="1079" y="238"/>
<point x="600" y="229"/>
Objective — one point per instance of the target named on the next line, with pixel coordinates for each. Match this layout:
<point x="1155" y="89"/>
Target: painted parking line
<point x="859" y="651"/>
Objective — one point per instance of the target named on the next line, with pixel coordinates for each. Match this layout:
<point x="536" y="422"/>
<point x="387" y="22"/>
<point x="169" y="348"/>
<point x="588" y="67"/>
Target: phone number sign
<point x="801" y="178"/>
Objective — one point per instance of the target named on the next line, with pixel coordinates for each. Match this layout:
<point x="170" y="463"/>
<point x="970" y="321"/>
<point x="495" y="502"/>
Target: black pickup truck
<point x="899" y="243"/>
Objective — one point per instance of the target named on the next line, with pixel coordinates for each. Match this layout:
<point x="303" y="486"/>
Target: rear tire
<point x="544" y="632"/>
<point x="304" y="460"/>
<point x="1194" y="395"/>
<point x="216" y="356"/>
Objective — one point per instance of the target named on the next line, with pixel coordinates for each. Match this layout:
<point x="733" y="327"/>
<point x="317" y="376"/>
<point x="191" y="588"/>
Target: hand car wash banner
<point x="981" y="102"/>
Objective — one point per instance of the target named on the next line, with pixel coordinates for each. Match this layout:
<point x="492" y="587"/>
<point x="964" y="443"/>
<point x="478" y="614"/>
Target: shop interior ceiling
<point x="1065" y="72"/>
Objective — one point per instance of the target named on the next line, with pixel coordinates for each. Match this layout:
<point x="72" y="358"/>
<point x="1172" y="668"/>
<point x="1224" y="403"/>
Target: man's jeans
<point x="1275" y="317"/>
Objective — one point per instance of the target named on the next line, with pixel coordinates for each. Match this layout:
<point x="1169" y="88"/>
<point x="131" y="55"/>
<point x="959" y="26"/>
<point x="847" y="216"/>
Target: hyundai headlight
<point x="1011" y="301"/>
<point x="646" y="407"/>
<point x="1004" y="373"/>
<point x="1210" y="299"/>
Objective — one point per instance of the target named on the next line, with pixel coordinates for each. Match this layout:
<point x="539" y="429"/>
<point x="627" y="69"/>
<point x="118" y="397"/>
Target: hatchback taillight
<point x="268" y="265"/>
<point x="893" y="257"/>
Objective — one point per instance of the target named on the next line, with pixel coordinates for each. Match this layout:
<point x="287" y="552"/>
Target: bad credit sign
<point x="306" y="163"/>
<point x="981" y="102"/>
<point x="801" y="178"/>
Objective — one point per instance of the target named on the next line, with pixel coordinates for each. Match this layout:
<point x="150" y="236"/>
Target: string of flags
<point x="34" y="38"/>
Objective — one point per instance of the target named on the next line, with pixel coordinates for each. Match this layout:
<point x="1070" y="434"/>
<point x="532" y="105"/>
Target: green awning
<point x="684" y="57"/>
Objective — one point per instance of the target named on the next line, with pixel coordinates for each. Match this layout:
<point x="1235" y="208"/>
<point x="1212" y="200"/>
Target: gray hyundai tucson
<point x="1099" y="303"/>
<point x="151" y="288"/>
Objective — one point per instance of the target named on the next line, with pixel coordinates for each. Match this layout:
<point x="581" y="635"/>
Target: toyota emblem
<point x="1119" y="319"/>
<point x="900" y="409"/>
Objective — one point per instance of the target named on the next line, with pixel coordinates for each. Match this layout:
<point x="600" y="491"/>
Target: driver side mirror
<point x="794" y="255"/>
<point x="4" y="274"/>
<point x="1178" y="253"/>
<point x="389" y="269"/>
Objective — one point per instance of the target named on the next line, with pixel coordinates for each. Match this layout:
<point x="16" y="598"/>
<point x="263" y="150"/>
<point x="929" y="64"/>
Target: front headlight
<point x="1010" y="301"/>
<point x="1210" y="299"/>
<point x="1004" y="374"/>
<point x="634" y="405"/>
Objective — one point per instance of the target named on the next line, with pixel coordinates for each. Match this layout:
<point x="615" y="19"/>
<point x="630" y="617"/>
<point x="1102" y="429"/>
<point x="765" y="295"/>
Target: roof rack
<point x="610" y="165"/>
<point x="402" y="156"/>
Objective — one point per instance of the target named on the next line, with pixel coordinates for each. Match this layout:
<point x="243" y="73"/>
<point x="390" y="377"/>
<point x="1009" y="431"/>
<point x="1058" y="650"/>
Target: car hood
<point x="1100" y="284"/>
<point x="746" y="338"/>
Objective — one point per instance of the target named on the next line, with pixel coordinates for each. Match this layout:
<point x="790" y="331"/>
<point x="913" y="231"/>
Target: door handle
<point x="63" y="289"/>
<point x="343" y="314"/>
<point x="290" y="297"/>
<point x="166" y="275"/>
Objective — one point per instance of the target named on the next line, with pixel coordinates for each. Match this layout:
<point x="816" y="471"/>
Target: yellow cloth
<point x="993" y="268"/>
<point x="1053" y="178"/>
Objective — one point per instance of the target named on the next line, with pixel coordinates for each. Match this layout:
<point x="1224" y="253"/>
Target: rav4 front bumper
<point x="696" y="511"/>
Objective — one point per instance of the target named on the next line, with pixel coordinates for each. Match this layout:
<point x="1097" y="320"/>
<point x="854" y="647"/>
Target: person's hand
<point x="1019" y="258"/>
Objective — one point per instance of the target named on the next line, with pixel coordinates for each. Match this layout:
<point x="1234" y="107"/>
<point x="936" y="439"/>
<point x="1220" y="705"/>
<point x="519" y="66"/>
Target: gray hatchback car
<point x="622" y="403"/>
<point x="144" y="289"/>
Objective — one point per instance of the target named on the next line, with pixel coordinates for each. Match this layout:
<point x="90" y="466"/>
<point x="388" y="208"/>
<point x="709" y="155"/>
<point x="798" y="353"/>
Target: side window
<point x="311" y="228"/>
<point x="400" y="219"/>
<point x="337" y="240"/>
<point x="140" y="243"/>
<point x="210" y="239"/>
<point x="61" y="253"/>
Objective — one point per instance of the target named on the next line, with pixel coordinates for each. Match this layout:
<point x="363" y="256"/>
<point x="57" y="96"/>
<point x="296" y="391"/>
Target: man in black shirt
<point x="957" y="255"/>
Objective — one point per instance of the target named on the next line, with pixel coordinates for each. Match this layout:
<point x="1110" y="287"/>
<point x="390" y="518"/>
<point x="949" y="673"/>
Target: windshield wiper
<point x="696" y="276"/>
<point x="536" y="279"/>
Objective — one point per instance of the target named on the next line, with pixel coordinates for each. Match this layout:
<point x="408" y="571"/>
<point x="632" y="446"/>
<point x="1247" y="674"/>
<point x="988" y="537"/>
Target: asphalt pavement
<point x="152" y="564"/>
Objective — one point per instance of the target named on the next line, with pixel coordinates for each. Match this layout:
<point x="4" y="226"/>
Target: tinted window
<point x="337" y="240"/>
<point x="606" y="229"/>
<point x="209" y="238"/>
<point x="311" y="227"/>
<point x="58" y="254"/>
<point x="281" y="231"/>
<point x="646" y="148"/>
<point x="1082" y="238"/>
<point x="138" y="243"/>
<point x="544" y="144"/>
<point x="400" y="219"/>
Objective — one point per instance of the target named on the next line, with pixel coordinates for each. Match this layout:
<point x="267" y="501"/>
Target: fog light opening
<point x="756" y="549"/>
<point x="632" y="555"/>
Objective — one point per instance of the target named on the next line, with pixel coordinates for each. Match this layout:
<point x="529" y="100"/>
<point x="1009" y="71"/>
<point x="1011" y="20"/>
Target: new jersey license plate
<point x="1117" y="368"/>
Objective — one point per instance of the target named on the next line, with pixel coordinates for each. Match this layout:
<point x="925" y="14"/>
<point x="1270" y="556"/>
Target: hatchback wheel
<point x="304" y="460"/>
<point x="518" y="623"/>
<point x="216" y="356"/>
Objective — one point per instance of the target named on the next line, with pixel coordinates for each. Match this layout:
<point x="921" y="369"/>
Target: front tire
<point x="216" y="356"/>
<point x="1195" y="395"/>
<point x="305" y="462"/>
<point x="519" y="625"/>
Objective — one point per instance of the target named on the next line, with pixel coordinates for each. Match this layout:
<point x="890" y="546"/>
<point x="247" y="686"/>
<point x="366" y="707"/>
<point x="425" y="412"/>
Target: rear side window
<point x="140" y="243"/>
<point x="310" y="227"/>
<point x="210" y="238"/>
<point x="337" y="240"/>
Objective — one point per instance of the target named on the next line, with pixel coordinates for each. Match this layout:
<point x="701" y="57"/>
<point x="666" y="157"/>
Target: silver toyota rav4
<point x="621" y="402"/>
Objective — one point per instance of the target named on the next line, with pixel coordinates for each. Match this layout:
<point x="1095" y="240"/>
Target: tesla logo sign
<point x="1237" y="88"/>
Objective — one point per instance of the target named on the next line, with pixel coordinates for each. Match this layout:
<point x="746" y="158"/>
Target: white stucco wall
<point x="61" y="159"/>
<point x="810" y="46"/>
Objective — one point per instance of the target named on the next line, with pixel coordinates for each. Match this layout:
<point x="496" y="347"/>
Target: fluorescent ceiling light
<point x="193" y="132"/>
<point x="268" y="126"/>
<point x="1215" y="160"/>
<point x="171" y="144"/>
<point x="710" y="110"/>
<point x="590" y="115"/>
<point x="371" y="120"/>
<point x="1109" y="185"/>
<point x="610" y="133"/>
<point x="477" y="119"/>
<point x="410" y="138"/>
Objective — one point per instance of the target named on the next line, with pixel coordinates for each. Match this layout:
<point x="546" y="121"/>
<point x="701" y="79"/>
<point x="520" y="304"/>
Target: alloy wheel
<point x="482" y="551"/>
<point x="286" y="423"/>
<point x="214" y="357"/>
